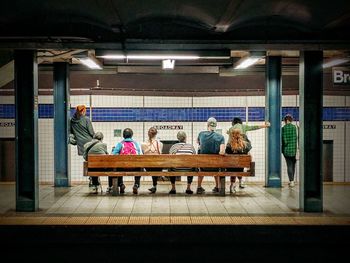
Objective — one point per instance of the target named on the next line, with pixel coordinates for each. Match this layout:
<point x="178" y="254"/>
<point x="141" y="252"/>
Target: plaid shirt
<point x="289" y="139"/>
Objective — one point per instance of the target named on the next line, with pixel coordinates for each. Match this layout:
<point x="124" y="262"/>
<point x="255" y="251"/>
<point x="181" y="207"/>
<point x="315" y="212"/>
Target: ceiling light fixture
<point x="163" y="54"/>
<point x="253" y="58"/>
<point x="335" y="62"/>
<point x="150" y="57"/>
<point x="168" y="64"/>
<point x="89" y="62"/>
<point x="247" y="62"/>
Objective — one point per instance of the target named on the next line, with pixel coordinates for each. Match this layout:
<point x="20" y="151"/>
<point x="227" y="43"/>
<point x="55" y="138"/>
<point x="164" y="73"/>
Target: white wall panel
<point x="239" y="101"/>
<point x="334" y="101"/>
<point x="168" y="102"/>
<point x="117" y="101"/>
<point x="7" y="99"/>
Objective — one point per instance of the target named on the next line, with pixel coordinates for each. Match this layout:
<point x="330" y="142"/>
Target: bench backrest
<point x="170" y="161"/>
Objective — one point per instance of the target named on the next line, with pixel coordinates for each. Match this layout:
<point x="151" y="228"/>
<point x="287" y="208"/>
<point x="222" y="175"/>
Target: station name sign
<point x="169" y="127"/>
<point x="341" y="76"/>
<point x="329" y="127"/>
<point x="7" y="124"/>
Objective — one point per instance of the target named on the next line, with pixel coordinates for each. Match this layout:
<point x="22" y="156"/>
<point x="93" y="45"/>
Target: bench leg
<point x="222" y="185"/>
<point x="115" y="188"/>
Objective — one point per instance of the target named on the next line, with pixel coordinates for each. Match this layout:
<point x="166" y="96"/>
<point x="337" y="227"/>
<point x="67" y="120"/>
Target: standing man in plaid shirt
<point x="289" y="146"/>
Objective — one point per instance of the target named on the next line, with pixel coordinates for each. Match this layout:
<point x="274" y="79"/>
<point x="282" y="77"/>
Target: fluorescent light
<point x="90" y="63"/>
<point x="162" y="57"/>
<point x="335" y="62"/>
<point x="151" y="57"/>
<point x="247" y="62"/>
<point x="113" y="56"/>
<point x="168" y="64"/>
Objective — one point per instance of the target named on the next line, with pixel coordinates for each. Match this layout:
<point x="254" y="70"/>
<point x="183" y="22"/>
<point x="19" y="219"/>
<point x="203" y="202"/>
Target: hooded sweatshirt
<point x="82" y="129"/>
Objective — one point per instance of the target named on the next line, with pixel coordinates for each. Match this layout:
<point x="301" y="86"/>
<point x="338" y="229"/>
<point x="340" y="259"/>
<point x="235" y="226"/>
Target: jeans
<point x="290" y="160"/>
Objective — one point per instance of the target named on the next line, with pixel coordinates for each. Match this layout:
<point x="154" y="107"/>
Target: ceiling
<point x="60" y="29"/>
<point x="119" y="21"/>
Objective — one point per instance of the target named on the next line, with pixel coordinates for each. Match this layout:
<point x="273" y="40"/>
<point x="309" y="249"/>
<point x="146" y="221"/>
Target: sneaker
<point x="241" y="186"/>
<point x="152" y="190"/>
<point x="232" y="189"/>
<point x="172" y="192"/>
<point x="200" y="190"/>
<point x="189" y="192"/>
<point x="135" y="189"/>
<point x="215" y="190"/>
<point x="94" y="189"/>
<point x="90" y="182"/>
<point x="122" y="188"/>
<point x="291" y="184"/>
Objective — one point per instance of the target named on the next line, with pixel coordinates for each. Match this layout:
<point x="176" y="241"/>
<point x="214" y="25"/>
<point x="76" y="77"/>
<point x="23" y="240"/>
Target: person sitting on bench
<point x="96" y="146"/>
<point x="182" y="148"/>
<point x="126" y="147"/>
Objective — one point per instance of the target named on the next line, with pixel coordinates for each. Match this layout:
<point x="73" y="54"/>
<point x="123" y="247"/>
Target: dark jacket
<point x="98" y="148"/>
<point x="82" y="130"/>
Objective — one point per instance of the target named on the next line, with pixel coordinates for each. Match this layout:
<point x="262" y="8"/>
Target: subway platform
<point x="254" y="223"/>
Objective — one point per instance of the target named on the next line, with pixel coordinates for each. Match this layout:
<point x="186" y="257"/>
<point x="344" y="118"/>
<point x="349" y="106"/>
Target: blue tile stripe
<point x="7" y="111"/>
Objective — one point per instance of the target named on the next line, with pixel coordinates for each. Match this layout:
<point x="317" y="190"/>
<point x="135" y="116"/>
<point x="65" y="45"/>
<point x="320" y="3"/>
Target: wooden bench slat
<point x="168" y="161"/>
<point x="168" y="174"/>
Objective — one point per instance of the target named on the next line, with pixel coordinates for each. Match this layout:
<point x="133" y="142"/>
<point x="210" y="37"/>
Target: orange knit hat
<point x="81" y="109"/>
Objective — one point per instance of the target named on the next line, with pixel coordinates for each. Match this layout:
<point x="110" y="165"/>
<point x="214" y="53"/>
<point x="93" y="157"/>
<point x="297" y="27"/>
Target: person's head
<point x="127" y="133"/>
<point x="181" y="136"/>
<point x="236" y="140"/>
<point x="80" y="110"/>
<point x="152" y="132"/>
<point x="98" y="136"/>
<point x="288" y="118"/>
<point x="211" y="124"/>
<point x="236" y="120"/>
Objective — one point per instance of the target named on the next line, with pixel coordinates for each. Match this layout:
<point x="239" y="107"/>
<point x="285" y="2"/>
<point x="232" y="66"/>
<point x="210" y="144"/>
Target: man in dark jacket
<point x="81" y="128"/>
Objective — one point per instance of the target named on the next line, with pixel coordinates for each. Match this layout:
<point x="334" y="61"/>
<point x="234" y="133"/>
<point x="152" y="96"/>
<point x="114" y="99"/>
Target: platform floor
<point x="255" y="205"/>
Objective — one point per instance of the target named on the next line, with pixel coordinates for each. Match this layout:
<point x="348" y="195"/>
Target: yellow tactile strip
<point x="174" y="220"/>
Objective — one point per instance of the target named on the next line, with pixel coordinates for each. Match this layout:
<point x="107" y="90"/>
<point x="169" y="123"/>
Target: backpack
<point x="128" y="148"/>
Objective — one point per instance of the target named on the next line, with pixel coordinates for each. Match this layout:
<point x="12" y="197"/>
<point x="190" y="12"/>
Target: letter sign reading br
<point x="341" y="76"/>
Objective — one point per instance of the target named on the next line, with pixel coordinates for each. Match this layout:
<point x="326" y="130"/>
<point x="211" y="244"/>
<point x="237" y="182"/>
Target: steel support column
<point x="311" y="103"/>
<point x="273" y="114"/>
<point x="26" y="96"/>
<point x="61" y="124"/>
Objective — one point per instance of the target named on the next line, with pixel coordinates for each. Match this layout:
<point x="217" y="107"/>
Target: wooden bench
<point x="110" y="165"/>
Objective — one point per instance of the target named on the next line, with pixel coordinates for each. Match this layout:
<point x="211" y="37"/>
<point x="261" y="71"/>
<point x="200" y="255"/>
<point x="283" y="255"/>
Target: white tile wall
<point x="80" y="100"/>
<point x="332" y="101"/>
<point x="290" y="101"/>
<point x="46" y="163"/>
<point x="7" y="99"/>
<point x="256" y="101"/>
<point x="239" y="101"/>
<point x="337" y="135"/>
<point x="117" y="101"/>
<point x="46" y="99"/>
<point x="46" y="150"/>
<point x="6" y="130"/>
<point x="168" y="102"/>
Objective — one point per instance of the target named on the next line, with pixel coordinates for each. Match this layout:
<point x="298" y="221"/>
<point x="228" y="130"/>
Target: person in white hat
<point x="210" y="142"/>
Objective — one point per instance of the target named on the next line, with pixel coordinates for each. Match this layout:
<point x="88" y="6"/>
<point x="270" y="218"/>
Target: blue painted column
<point x="273" y="114"/>
<point x="61" y="124"/>
<point x="311" y="106"/>
<point x="27" y="162"/>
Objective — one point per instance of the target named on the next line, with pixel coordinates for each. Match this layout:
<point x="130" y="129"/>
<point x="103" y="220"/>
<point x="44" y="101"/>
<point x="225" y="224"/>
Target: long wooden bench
<point x="111" y="165"/>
